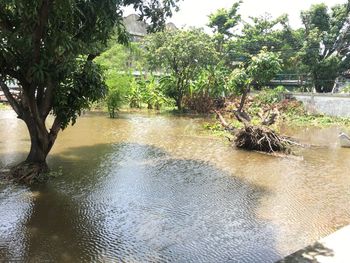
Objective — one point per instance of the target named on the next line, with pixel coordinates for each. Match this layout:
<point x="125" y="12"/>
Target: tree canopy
<point x="48" y="47"/>
<point x="326" y="48"/>
<point x="181" y="54"/>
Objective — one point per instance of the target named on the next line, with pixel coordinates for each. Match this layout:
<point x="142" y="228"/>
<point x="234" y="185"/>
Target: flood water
<point x="149" y="188"/>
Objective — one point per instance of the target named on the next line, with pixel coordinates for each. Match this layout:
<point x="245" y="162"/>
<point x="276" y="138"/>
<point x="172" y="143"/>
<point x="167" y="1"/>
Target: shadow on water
<point x="309" y="254"/>
<point x="135" y="203"/>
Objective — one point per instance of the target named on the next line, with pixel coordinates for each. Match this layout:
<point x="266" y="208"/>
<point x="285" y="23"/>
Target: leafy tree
<point x="118" y="88"/>
<point x="153" y="95"/>
<point x="119" y="61"/>
<point x="48" y="47"/>
<point x="239" y="80"/>
<point x="223" y="23"/>
<point x="273" y="34"/>
<point x="325" y="51"/>
<point x="263" y="68"/>
<point x="121" y="58"/>
<point x="224" y="20"/>
<point x="135" y="93"/>
<point x="181" y="54"/>
<point x="211" y="82"/>
<point x="260" y="70"/>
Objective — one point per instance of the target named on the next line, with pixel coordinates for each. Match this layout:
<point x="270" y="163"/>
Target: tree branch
<point x="55" y="128"/>
<point x="13" y="102"/>
<point x="91" y="57"/>
<point x="39" y="30"/>
<point x="48" y="99"/>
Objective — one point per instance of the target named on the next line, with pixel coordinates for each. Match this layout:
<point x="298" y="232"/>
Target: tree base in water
<point x="29" y="173"/>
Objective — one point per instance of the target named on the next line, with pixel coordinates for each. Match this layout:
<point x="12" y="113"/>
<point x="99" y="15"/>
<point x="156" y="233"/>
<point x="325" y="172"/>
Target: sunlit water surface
<point x="148" y="188"/>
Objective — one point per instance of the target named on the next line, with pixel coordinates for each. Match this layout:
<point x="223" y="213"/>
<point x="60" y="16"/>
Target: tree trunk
<point x="35" y="168"/>
<point x="179" y="103"/>
<point x="33" y="110"/>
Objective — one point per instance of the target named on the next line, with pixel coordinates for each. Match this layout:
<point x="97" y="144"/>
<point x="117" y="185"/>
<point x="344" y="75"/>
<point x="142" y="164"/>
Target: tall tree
<point x="326" y="49"/>
<point x="223" y="23"/>
<point x="182" y="54"/>
<point x="48" y="47"/>
<point x="264" y="31"/>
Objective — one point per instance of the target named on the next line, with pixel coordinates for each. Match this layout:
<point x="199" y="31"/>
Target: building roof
<point x="135" y="26"/>
<point x="138" y="28"/>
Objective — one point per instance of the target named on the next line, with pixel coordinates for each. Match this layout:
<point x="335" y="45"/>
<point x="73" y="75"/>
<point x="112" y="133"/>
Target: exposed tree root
<point x="257" y="138"/>
<point x="263" y="139"/>
<point x="29" y="173"/>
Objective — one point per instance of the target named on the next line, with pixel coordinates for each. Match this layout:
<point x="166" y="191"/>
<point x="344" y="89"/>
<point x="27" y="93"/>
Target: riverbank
<point x="269" y="105"/>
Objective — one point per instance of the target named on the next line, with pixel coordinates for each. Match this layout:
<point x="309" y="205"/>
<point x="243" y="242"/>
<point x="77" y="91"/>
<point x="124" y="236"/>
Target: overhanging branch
<point x="13" y="102"/>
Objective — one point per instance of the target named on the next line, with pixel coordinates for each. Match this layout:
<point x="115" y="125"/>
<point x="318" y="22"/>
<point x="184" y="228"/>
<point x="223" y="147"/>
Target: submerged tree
<point x="48" y="47"/>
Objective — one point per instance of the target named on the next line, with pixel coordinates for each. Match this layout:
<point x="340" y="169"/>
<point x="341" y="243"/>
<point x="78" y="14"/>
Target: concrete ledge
<point x="310" y="94"/>
<point x="328" y="104"/>
<point x="332" y="249"/>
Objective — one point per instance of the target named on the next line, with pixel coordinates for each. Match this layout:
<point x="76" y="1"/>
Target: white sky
<point x="195" y="12"/>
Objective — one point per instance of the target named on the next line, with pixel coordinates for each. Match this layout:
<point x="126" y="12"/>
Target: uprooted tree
<point x="48" y="48"/>
<point x="258" y="72"/>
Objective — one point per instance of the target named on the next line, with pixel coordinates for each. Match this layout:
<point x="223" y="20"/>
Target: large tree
<point x="48" y="47"/>
<point x="223" y="22"/>
<point x="326" y="49"/>
<point x="181" y="55"/>
<point x="264" y="31"/>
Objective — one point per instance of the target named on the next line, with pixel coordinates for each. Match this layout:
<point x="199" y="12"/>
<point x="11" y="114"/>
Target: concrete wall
<point x="328" y="104"/>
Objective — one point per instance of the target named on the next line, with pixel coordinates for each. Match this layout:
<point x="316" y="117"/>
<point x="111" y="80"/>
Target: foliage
<point x="264" y="67"/>
<point x="257" y="72"/>
<point x="152" y="95"/>
<point x="212" y="82"/>
<point x="182" y="54"/>
<point x="223" y="23"/>
<point x="120" y="58"/>
<point x="274" y="34"/>
<point x="327" y="41"/>
<point x="134" y="96"/>
<point x="78" y="91"/>
<point x="239" y="80"/>
<point x="114" y="101"/>
<point x="270" y="95"/>
<point x="118" y="88"/>
<point x="2" y="106"/>
<point x="49" y="48"/>
<point x="346" y="89"/>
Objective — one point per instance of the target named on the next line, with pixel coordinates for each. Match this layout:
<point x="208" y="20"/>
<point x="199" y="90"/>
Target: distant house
<point x="138" y="28"/>
<point x="135" y="27"/>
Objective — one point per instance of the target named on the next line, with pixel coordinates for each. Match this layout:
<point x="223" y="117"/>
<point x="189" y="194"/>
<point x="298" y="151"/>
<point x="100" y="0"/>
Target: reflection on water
<point x="157" y="189"/>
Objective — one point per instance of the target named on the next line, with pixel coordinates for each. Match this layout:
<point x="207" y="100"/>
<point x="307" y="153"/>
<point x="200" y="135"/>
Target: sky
<point x="195" y="12"/>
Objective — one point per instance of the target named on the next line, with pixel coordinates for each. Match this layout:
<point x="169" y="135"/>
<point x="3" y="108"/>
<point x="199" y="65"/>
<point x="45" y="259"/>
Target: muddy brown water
<point x="148" y="188"/>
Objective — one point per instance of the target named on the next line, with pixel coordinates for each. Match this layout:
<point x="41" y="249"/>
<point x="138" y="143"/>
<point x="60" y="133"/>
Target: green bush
<point x="118" y="88"/>
<point x="346" y="89"/>
<point x="269" y="95"/>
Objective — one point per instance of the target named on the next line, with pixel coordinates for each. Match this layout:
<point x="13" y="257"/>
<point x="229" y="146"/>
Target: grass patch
<point x="4" y="106"/>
